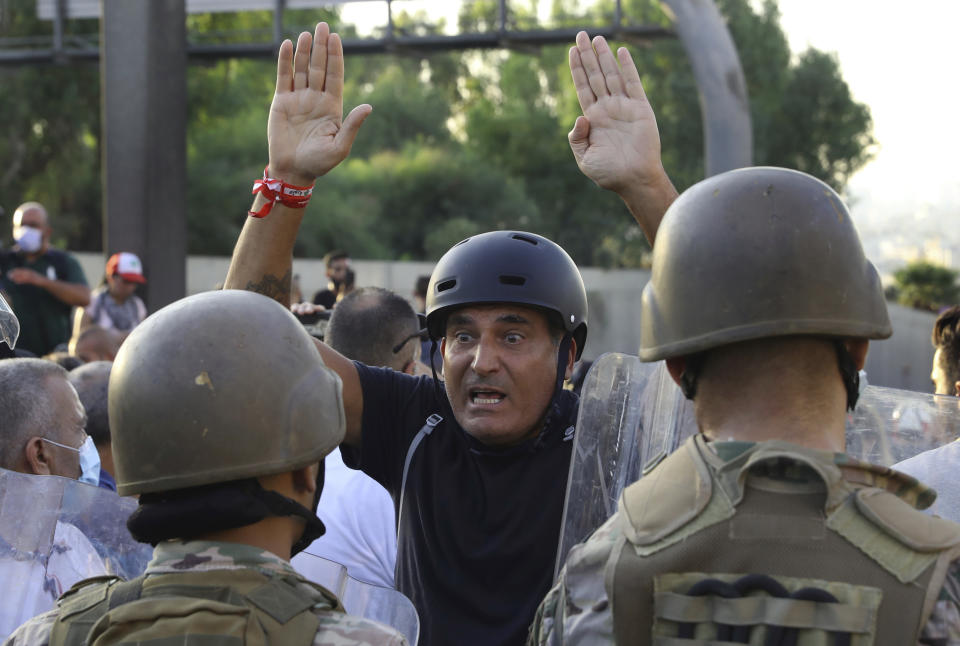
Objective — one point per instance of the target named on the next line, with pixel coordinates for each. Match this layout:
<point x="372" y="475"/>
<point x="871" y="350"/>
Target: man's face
<point x="337" y="271"/>
<point x="31" y="217"/>
<point x="500" y="367"/>
<point x="70" y="422"/>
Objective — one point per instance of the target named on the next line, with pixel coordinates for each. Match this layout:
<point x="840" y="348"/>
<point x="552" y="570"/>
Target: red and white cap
<point x="127" y="266"/>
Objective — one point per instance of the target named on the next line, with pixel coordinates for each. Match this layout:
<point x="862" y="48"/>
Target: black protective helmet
<point x="508" y="267"/>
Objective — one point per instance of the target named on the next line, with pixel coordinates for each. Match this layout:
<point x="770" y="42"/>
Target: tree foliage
<point x="50" y="145"/>
<point x="458" y="142"/>
<point x="927" y="286"/>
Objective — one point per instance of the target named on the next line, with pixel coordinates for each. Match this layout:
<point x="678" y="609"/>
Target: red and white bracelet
<point x="276" y="190"/>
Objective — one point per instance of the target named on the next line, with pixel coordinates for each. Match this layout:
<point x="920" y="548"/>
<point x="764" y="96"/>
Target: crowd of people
<point x="431" y="455"/>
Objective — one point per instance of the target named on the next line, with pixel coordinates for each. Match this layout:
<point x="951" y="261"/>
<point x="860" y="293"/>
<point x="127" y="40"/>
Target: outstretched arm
<point x="616" y="142"/>
<point x="74" y="294"/>
<point x="307" y="137"/>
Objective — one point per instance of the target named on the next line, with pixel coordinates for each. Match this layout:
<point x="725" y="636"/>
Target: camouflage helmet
<point x="508" y="267"/>
<point x="754" y="253"/>
<point x="219" y="386"/>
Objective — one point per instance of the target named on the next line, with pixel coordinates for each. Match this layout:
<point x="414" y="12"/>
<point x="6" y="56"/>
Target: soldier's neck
<point x="274" y="534"/>
<point x="799" y="430"/>
<point x="788" y="390"/>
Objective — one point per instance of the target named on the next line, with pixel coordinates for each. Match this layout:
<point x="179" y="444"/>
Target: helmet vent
<point x="447" y="284"/>
<point x="513" y="280"/>
<point x="464" y="241"/>
<point x="517" y="236"/>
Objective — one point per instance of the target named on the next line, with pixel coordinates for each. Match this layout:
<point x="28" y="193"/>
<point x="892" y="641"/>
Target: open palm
<point x="616" y="141"/>
<point x="306" y="131"/>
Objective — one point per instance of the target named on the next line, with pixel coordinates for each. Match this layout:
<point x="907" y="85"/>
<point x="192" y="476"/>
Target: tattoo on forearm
<point x="276" y="288"/>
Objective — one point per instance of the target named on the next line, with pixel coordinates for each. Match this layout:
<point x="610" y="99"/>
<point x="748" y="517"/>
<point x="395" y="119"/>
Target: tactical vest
<point x="777" y="545"/>
<point x="242" y="606"/>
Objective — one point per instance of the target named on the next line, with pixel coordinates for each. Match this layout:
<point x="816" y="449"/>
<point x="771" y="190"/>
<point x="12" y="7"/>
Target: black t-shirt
<point x="480" y="525"/>
<point x="325" y="297"/>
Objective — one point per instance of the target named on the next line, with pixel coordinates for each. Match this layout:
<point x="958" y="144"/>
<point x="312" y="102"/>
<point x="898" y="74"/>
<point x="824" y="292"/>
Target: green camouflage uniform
<point x="172" y="557"/>
<point x="578" y="610"/>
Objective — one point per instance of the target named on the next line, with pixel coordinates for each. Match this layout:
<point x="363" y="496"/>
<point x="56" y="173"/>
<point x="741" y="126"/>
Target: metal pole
<point x="727" y="131"/>
<point x="144" y="116"/>
<point x="503" y="16"/>
<point x="58" y="19"/>
<point x="389" y="20"/>
<point x="278" y="11"/>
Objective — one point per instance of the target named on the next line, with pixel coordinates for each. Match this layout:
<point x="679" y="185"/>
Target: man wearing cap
<point x="114" y="305"/>
<point x="43" y="283"/>
<point x="476" y="464"/>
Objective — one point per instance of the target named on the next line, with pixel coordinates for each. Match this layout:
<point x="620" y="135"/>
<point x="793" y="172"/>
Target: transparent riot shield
<point x="9" y="325"/>
<point x="891" y="425"/>
<point x="54" y="532"/>
<point x="915" y="433"/>
<point x="384" y="605"/>
<point x="631" y="416"/>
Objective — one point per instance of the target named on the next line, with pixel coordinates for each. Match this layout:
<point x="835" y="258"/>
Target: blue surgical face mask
<point x="89" y="460"/>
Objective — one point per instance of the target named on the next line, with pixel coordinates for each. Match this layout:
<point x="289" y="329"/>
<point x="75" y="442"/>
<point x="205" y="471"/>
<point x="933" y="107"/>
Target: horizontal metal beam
<point x="396" y="45"/>
<point x="47" y="9"/>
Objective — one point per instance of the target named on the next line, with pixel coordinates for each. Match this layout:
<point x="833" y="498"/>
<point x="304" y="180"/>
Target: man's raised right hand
<point x="306" y="131"/>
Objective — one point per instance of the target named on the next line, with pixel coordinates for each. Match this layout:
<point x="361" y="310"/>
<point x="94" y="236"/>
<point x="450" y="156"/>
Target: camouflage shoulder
<point x="903" y="485"/>
<point x="577" y="608"/>
<point x="35" y="632"/>
<point x="337" y="629"/>
<point x="943" y="625"/>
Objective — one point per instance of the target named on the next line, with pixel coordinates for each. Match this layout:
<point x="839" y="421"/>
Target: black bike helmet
<point x="508" y="267"/>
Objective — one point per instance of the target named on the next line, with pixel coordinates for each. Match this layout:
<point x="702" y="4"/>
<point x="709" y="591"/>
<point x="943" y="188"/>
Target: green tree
<point x="927" y="286"/>
<point x="458" y="142"/>
<point x="51" y="140"/>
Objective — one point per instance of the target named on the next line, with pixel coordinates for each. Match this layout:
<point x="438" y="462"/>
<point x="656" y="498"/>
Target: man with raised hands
<point x="476" y="464"/>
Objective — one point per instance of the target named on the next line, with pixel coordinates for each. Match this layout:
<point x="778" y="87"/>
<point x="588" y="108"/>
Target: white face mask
<point x="89" y="460"/>
<point x="29" y="239"/>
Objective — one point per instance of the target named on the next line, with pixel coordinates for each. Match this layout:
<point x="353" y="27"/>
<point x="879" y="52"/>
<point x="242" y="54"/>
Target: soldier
<point x="759" y="529"/>
<point x="221" y="432"/>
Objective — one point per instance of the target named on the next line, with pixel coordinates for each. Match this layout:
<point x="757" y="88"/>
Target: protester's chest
<point x="489" y="502"/>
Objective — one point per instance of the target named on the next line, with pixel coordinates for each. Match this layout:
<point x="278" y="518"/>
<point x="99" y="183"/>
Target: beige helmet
<point x="216" y="387"/>
<point x="754" y="253"/>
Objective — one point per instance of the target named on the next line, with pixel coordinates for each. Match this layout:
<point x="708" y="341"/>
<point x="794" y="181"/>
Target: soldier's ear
<point x="956" y="389"/>
<point x="305" y="479"/>
<point x="36" y="458"/>
<point x="676" y="366"/>
<point x="858" y="350"/>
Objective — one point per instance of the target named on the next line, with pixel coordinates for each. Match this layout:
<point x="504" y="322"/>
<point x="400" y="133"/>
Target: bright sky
<point x="900" y="59"/>
<point x="897" y="57"/>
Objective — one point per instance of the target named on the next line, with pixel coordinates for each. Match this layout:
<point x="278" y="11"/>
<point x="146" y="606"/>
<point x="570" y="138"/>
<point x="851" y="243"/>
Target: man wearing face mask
<point x="42" y="433"/>
<point x="43" y="283"/>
